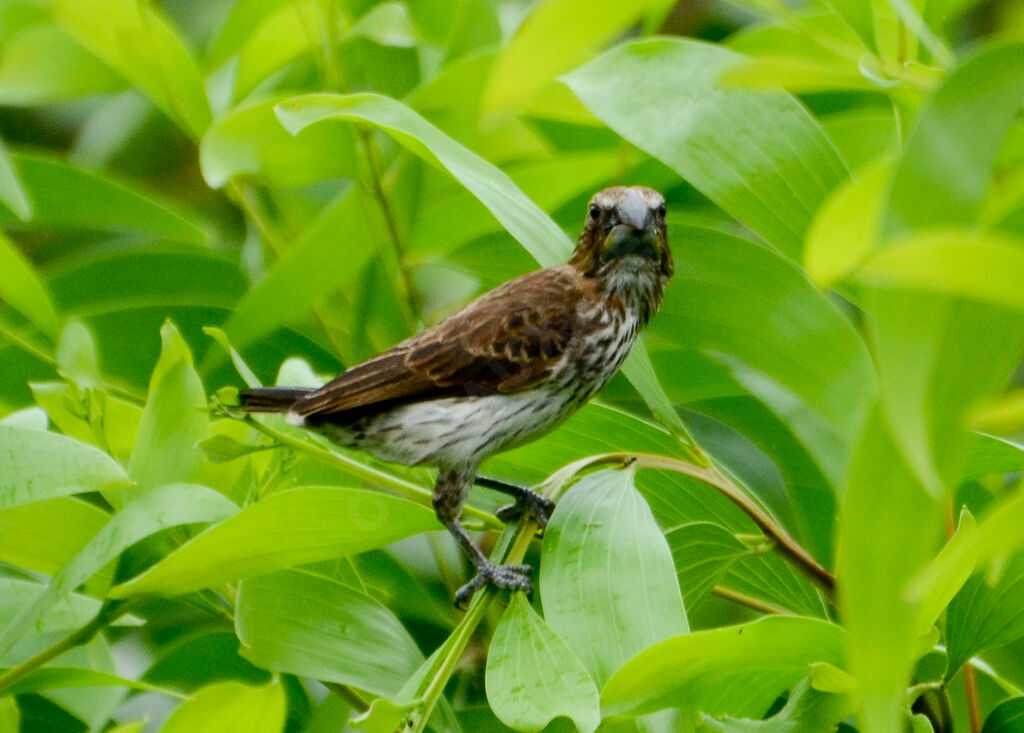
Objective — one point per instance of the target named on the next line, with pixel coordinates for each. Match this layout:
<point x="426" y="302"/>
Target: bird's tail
<point x="271" y="399"/>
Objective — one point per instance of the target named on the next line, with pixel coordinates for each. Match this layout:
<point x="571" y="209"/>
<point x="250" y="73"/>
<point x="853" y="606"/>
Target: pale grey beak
<point x="632" y="210"/>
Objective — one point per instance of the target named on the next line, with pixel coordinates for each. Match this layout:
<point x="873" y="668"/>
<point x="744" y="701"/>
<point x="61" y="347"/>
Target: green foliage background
<point x="200" y="195"/>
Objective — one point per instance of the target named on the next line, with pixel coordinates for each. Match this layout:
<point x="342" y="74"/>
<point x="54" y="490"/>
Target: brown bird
<point x="502" y="371"/>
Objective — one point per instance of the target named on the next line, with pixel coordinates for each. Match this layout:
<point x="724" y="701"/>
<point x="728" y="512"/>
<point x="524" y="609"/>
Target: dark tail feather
<point x="271" y="399"/>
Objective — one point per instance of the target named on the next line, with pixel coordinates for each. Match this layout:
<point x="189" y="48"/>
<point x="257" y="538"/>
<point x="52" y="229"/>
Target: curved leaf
<point x="761" y="157"/>
<point x="22" y="288"/>
<point x="534" y="677"/>
<point x="308" y="625"/>
<point x="225" y="706"/>
<point x="42" y="465"/>
<point x="735" y="670"/>
<point x="292" y="527"/>
<point x="606" y="576"/>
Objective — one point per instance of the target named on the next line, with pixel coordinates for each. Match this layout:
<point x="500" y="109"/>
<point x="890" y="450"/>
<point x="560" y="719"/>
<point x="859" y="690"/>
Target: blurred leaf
<point x="23" y="289"/>
<point x="1006" y="718"/>
<point x="285" y="32"/>
<point x="120" y="418"/>
<point x="245" y="17"/>
<point x="987" y="268"/>
<point x="167" y="506"/>
<point x="174" y="420"/>
<point x="845" y="229"/>
<point x="224" y="448"/>
<point x="251" y="380"/>
<point x="879" y="551"/>
<point x="985" y="614"/>
<point x="555" y="684"/>
<point x="231" y="706"/>
<point x="297" y="622"/>
<point x="200" y="659"/>
<point x="947" y="164"/>
<point x="663" y="96"/>
<point x="607" y="579"/>
<point x="51" y="678"/>
<point x="541" y="237"/>
<point x="43" y="465"/>
<point x="292" y="527"/>
<point x="734" y="670"/>
<point x="45" y="535"/>
<point x="12" y="192"/>
<point x="42" y="64"/>
<point x="861" y="135"/>
<point x="529" y="60"/>
<point x="10" y="718"/>
<point x="806" y="711"/>
<point x="16" y="594"/>
<point x="76" y="355"/>
<point x="989" y="455"/>
<point x="137" y="42"/>
<point x="860" y="16"/>
<point x="249" y="140"/>
<point x="703" y="553"/>
<point x="67" y="197"/>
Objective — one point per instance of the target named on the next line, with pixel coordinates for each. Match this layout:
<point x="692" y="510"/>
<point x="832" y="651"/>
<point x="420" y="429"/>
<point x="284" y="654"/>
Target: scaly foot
<point x="513" y="577"/>
<point x="531" y="503"/>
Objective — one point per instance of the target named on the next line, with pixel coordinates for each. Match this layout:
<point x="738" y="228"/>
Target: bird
<point x="505" y="369"/>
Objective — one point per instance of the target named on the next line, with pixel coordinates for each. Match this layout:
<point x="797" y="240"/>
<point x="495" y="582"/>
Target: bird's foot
<point x="513" y="577"/>
<point x="528" y="503"/>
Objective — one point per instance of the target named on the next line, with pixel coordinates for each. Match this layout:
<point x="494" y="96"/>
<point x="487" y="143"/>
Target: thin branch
<point x="755" y="603"/>
<point x="971" y="693"/>
<point x="355" y="701"/>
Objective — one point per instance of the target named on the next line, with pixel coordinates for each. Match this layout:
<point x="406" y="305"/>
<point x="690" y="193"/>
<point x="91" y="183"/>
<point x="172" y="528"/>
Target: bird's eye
<point x="660" y="210"/>
<point x="595" y="211"/>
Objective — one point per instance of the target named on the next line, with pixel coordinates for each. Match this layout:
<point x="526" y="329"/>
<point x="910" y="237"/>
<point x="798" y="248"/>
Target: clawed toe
<point x="532" y="504"/>
<point x="513" y="577"/>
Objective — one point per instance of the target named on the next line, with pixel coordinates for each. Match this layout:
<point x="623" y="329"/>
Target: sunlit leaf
<point x="552" y="683"/>
<point x="164" y="507"/>
<point x="288" y="528"/>
<point x="734" y="670"/>
<point x="231" y="706"/>
<point x="51" y="678"/>
<point x="42" y="465"/>
<point x="703" y="554"/>
<point x="606" y="577"/>
<point x="12" y="192"/>
<point x="663" y="96"/>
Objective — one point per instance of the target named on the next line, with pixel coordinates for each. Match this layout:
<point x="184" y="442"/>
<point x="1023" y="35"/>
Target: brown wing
<point x="504" y="341"/>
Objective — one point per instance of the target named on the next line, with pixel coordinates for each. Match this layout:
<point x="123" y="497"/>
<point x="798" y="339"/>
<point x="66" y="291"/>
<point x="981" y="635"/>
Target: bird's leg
<point x="528" y="501"/>
<point x="449" y="495"/>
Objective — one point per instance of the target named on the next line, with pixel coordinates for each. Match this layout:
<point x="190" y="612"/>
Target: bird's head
<point x="624" y="246"/>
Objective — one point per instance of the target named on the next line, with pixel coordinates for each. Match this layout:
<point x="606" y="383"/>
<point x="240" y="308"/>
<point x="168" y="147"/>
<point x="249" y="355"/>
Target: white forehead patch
<point x="633" y="209"/>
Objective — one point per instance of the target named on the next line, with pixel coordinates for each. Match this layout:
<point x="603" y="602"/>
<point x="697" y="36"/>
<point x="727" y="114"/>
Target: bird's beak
<point x="635" y="233"/>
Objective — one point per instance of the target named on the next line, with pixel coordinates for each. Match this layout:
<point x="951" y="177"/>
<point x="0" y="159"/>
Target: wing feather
<point x="506" y="340"/>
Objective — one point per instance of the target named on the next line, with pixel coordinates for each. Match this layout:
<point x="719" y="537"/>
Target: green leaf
<point x="285" y="33"/>
<point x="304" y="624"/>
<point x="12" y="192"/>
<point x="947" y="164"/>
<point x="23" y="289"/>
<point x="529" y="60"/>
<point x="735" y="670"/>
<point x="541" y="237"/>
<point x="77" y="361"/>
<point x="63" y="406"/>
<point x="703" y="554"/>
<point x="137" y="42"/>
<point x="985" y="615"/>
<point x="41" y="465"/>
<point x="663" y="96"/>
<point x="76" y="611"/>
<point x="231" y="706"/>
<point x="174" y="420"/>
<point x="1007" y="717"/>
<point x="167" y="506"/>
<point x="245" y="17"/>
<point x="845" y="229"/>
<point x="534" y="677"/>
<point x="292" y="527"/>
<point x="57" y="678"/>
<point x="10" y="717"/>
<point x="45" y="535"/>
<point x="806" y="710"/>
<point x="607" y="579"/>
<point x="67" y="197"/>
<point x="879" y="551"/>
<point x="249" y="140"/>
<point x="958" y="263"/>
<point x="42" y="64"/>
